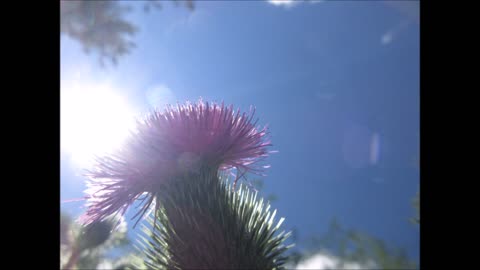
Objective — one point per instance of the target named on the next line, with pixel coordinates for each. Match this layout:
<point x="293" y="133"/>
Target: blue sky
<point x="337" y="83"/>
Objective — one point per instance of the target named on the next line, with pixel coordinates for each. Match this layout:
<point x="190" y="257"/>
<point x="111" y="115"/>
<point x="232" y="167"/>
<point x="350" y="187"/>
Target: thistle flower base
<point x="203" y="224"/>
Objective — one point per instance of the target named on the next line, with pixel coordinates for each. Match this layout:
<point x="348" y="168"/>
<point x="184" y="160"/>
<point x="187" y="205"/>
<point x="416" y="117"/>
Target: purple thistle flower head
<point x="165" y="145"/>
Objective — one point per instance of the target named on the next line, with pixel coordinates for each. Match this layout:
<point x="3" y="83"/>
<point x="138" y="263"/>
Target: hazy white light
<point x="319" y="261"/>
<point x="375" y="148"/>
<point x="159" y="96"/>
<point x="286" y="3"/>
<point x="290" y="3"/>
<point x="361" y="146"/>
<point x="387" y="38"/>
<point x="324" y="261"/>
<point x="356" y="146"/>
<point x="105" y="265"/>
<point x="95" y="119"/>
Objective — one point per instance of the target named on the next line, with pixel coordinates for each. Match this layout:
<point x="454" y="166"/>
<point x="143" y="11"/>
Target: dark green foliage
<point x="156" y="4"/>
<point x="203" y="224"/>
<point x="272" y="197"/>
<point x="86" y="247"/>
<point x="354" y="246"/>
<point x="416" y="205"/>
<point x="94" y="234"/>
<point x="98" y="26"/>
<point x="258" y="184"/>
<point x="66" y="236"/>
<point x="102" y="27"/>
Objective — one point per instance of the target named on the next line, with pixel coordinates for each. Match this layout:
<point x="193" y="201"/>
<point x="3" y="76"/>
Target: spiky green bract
<point x="204" y="224"/>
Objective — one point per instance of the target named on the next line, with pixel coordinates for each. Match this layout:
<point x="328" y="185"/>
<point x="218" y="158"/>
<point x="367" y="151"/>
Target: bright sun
<point x="95" y="119"/>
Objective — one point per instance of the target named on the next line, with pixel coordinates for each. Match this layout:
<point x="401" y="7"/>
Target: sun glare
<point x="95" y="119"/>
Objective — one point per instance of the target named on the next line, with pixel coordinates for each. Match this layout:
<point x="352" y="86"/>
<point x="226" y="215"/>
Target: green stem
<point x="204" y="224"/>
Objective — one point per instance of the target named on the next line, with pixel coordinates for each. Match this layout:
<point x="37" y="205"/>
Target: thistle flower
<point x="165" y="145"/>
